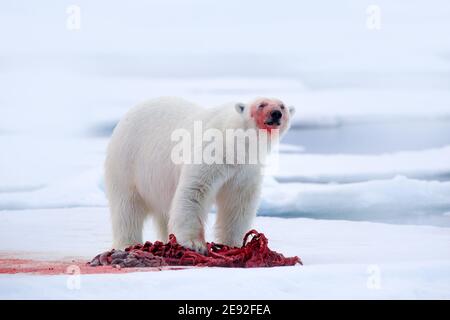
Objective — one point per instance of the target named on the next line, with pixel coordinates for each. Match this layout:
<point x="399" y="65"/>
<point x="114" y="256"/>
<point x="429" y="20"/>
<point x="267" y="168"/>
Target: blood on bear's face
<point x="269" y="114"/>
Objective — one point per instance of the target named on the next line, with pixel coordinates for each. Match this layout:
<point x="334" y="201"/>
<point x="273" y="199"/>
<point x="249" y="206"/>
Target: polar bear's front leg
<point x="237" y="203"/>
<point x="192" y="201"/>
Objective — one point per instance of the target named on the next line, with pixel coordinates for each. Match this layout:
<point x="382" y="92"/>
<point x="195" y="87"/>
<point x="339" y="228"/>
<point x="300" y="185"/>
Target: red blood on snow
<point x="63" y="267"/>
<point x="254" y="253"/>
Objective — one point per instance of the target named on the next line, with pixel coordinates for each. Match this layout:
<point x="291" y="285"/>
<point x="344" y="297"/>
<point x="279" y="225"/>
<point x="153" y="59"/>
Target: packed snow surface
<point x="342" y="259"/>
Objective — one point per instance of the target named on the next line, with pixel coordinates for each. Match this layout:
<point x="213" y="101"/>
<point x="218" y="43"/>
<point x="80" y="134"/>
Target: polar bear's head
<point x="266" y="114"/>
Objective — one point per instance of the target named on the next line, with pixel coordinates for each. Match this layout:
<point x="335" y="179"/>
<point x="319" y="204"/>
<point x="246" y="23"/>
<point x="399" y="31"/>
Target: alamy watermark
<point x="74" y="279"/>
<point x="231" y="146"/>
<point x="374" y="278"/>
<point x="73" y="20"/>
<point x="373" y="20"/>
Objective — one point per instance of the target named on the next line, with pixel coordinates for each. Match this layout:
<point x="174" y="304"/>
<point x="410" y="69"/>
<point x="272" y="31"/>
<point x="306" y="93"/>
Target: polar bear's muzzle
<point x="270" y="114"/>
<point x="274" y="118"/>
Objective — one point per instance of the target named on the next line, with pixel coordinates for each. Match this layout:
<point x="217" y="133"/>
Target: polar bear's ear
<point x="240" y="107"/>
<point x="291" y="110"/>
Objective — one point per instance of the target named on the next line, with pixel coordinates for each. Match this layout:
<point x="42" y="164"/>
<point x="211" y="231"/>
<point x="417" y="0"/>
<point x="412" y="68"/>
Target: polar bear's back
<point x="164" y="113"/>
<point x="139" y="150"/>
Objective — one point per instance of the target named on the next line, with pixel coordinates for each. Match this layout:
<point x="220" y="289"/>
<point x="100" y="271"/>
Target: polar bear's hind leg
<point x="128" y="213"/>
<point x="161" y="222"/>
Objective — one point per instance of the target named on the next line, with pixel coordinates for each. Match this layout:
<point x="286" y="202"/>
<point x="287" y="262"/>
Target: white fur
<point x="141" y="180"/>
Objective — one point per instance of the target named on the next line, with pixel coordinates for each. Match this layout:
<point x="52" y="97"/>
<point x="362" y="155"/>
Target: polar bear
<point x="142" y="180"/>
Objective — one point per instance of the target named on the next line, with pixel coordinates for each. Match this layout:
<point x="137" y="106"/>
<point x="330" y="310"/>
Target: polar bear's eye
<point x="262" y="105"/>
<point x="282" y="106"/>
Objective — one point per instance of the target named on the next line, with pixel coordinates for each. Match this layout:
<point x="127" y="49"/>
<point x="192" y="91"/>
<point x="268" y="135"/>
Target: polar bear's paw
<point x="197" y="245"/>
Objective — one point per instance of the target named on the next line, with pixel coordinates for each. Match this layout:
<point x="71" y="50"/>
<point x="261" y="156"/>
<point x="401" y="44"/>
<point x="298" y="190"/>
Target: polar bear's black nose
<point x="276" y="114"/>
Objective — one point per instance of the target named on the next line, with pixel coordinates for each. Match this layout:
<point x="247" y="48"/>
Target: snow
<point x="396" y="200"/>
<point x="363" y="181"/>
<point x="326" y="282"/>
<point x="348" y="168"/>
<point x="406" y="261"/>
